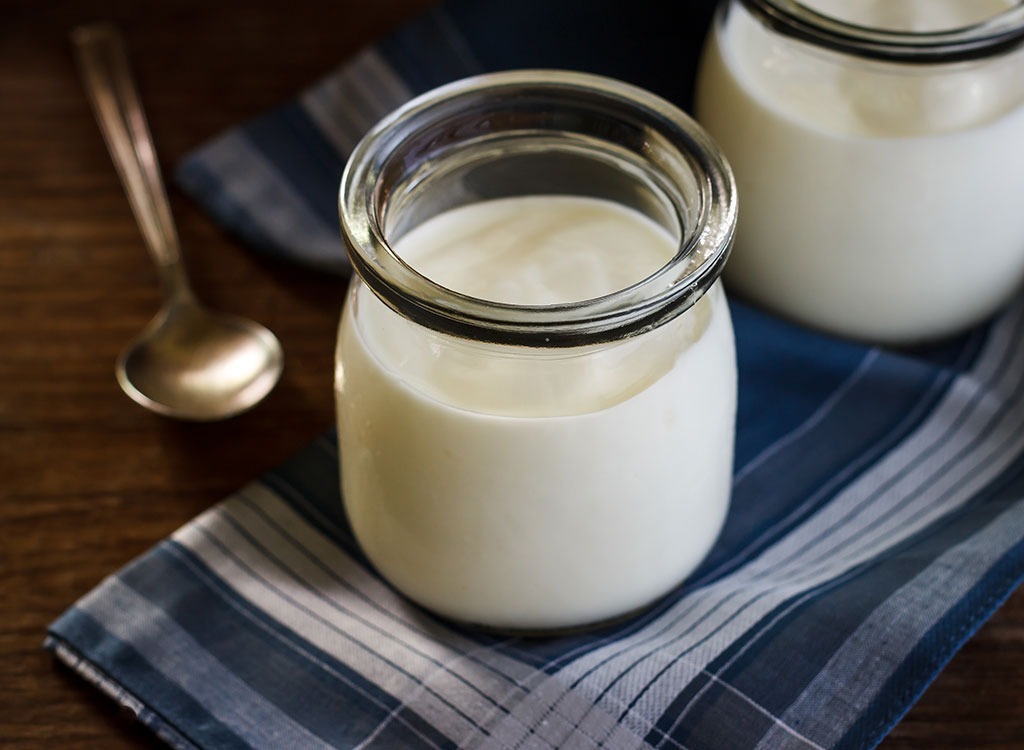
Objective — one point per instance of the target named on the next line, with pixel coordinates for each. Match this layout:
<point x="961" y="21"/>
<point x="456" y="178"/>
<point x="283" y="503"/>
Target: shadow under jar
<point x="536" y="376"/>
<point x="878" y="152"/>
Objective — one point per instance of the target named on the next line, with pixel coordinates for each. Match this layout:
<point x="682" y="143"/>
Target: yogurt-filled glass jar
<point x="536" y="376"/>
<point x="878" y="147"/>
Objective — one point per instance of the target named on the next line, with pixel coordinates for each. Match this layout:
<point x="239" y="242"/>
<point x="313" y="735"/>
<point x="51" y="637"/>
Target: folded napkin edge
<point x="999" y="594"/>
<point x="82" y="667"/>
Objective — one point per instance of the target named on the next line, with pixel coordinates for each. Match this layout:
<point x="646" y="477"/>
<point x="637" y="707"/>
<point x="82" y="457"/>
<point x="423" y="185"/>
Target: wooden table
<point x="88" y="480"/>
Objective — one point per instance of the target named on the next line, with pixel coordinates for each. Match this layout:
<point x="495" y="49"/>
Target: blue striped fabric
<point x="877" y="517"/>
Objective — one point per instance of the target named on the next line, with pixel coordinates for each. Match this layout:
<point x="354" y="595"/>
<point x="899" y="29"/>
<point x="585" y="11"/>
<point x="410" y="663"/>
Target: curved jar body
<point x="878" y="157"/>
<point x="536" y="404"/>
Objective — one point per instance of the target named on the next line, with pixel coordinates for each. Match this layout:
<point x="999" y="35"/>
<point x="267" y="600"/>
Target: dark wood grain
<point x="88" y="480"/>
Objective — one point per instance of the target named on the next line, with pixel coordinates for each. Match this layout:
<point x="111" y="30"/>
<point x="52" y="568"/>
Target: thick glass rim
<point x="993" y="36"/>
<point x="706" y="237"/>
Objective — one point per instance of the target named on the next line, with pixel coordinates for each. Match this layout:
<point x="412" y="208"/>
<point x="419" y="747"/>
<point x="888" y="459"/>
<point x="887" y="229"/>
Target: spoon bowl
<point x="196" y="364"/>
<point x="189" y="362"/>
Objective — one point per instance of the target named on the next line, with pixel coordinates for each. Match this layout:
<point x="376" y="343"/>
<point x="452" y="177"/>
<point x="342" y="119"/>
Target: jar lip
<point x="995" y="35"/>
<point x="697" y="264"/>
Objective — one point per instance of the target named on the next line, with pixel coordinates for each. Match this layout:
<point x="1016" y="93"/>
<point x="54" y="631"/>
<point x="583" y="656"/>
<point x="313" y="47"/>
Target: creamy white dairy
<point x="878" y="201"/>
<point x="535" y="489"/>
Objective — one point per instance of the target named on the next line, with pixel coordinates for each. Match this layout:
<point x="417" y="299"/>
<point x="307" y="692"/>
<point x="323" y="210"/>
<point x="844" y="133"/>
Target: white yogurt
<point x="535" y="489"/>
<point x="879" y="201"/>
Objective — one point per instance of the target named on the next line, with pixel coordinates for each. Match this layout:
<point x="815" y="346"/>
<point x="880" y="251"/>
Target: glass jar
<point x="878" y="152"/>
<point x="530" y="465"/>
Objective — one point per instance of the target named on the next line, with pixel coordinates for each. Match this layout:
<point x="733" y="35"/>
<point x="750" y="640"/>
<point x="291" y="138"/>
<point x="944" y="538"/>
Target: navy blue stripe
<point x="397" y="735"/>
<point x="205" y="186"/>
<point x="302" y="155"/>
<point x="424" y="54"/>
<point x="722" y="719"/>
<point x="785" y="375"/>
<point x="334" y="703"/>
<point x="171" y="709"/>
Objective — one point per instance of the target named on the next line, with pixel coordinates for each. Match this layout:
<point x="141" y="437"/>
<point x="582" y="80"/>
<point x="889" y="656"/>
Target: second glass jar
<point x="878" y="154"/>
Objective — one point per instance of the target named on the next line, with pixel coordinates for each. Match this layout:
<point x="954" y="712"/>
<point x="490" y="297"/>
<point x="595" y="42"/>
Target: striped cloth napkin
<point x="877" y="517"/>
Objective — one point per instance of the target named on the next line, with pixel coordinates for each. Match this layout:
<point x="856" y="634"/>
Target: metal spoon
<point x="189" y="362"/>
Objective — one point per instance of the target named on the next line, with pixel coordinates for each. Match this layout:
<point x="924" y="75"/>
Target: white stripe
<point x="369" y="596"/>
<point x="479" y="649"/>
<point x="378" y="82"/>
<point x="338" y="118"/>
<point x="184" y="662"/>
<point x="349" y="101"/>
<point x="280" y="212"/>
<point x="825" y="708"/>
<point x="409" y="666"/>
<point x="308" y="554"/>
<point x="728" y="614"/>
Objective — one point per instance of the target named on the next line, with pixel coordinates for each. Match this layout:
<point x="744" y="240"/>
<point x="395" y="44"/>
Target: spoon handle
<point x="108" y="81"/>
